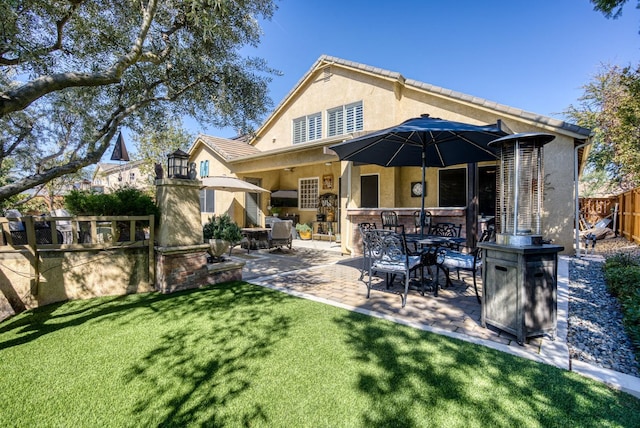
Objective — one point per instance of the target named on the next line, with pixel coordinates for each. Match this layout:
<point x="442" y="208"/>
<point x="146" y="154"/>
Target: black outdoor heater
<point x="519" y="272"/>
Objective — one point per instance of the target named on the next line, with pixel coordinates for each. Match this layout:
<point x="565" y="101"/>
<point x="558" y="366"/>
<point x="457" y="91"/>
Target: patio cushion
<point x="398" y="264"/>
<point x="455" y="259"/>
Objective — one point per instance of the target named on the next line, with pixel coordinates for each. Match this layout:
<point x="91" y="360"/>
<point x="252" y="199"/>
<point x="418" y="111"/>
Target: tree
<point x="610" y="8"/>
<point x="154" y="146"/>
<point x="75" y="72"/>
<point x="610" y="106"/>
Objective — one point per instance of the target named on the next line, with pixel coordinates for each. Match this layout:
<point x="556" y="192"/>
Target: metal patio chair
<point x="363" y="228"/>
<point x="390" y="221"/>
<point x="387" y="252"/>
<point x="425" y="227"/>
<point x="471" y="261"/>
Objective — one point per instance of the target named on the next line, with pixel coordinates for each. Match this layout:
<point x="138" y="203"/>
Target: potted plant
<point x="275" y="211"/>
<point x="221" y="232"/>
<point x="304" y="230"/>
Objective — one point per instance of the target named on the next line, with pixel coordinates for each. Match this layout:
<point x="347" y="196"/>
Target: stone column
<point x="179" y="202"/>
<point x="181" y="255"/>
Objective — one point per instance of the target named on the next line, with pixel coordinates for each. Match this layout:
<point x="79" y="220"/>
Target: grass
<point x="241" y="355"/>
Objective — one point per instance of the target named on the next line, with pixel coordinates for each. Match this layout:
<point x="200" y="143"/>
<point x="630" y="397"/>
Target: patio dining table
<point x="256" y="237"/>
<point x="428" y="246"/>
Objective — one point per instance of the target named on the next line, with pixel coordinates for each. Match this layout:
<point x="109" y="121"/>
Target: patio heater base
<point x="519" y="288"/>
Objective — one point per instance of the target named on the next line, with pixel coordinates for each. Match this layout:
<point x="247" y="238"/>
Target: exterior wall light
<point x="178" y="165"/>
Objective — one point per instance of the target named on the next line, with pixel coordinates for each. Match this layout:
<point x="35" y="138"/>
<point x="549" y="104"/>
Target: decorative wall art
<point x="327" y="181"/>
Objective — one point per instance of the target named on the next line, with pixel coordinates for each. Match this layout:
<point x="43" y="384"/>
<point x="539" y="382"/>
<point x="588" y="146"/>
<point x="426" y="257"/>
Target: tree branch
<point x="75" y="4"/>
<point x="22" y="97"/>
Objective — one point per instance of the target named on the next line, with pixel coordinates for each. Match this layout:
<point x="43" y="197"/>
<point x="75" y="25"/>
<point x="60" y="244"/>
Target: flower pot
<point x="306" y="235"/>
<point x="217" y="247"/>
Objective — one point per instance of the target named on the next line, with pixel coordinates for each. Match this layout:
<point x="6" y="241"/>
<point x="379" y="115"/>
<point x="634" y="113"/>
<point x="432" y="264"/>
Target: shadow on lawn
<point x="210" y="357"/>
<point x="424" y="378"/>
<point x="56" y="316"/>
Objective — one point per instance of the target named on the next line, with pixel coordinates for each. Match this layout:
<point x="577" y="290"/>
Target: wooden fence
<point x="51" y="259"/>
<point x="623" y="210"/>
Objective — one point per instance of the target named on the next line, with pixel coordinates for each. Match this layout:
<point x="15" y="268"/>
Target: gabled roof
<point x="325" y="60"/>
<point x="227" y="149"/>
<point x="105" y="168"/>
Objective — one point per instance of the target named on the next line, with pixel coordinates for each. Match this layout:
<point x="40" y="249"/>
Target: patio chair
<point x="280" y="234"/>
<point x="390" y="221"/>
<point x="471" y="261"/>
<point x="450" y="230"/>
<point x="387" y="253"/>
<point x="363" y="228"/>
<point x="425" y="227"/>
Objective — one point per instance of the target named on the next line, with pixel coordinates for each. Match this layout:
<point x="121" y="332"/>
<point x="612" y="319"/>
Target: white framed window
<point x="307" y="128"/>
<point x="132" y="177"/>
<point x="345" y="119"/>
<point x="308" y="193"/>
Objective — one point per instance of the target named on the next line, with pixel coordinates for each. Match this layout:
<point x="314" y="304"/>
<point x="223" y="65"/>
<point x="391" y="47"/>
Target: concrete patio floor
<point x="318" y="271"/>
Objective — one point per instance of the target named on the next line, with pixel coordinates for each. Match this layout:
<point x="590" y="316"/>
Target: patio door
<point x="252" y="205"/>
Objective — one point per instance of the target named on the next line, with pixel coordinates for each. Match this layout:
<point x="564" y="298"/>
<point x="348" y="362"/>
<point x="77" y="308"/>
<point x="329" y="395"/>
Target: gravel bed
<point x="596" y="333"/>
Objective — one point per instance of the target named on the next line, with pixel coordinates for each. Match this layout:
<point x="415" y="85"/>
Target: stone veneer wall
<point x="405" y="217"/>
<point x="182" y="268"/>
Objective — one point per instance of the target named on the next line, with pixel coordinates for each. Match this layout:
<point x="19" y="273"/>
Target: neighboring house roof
<point x="109" y="168"/>
<point x="324" y="60"/>
<point x="104" y="167"/>
<point x="227" y="149"/>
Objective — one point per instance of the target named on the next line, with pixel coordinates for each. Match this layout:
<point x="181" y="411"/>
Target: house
<point x="110" y="176"/>
<point x="339" y="99"/>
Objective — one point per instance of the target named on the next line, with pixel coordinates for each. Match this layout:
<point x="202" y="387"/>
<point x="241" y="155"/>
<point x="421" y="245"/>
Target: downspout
<point x="347" y="245"/>
<point x="577" y="196"/>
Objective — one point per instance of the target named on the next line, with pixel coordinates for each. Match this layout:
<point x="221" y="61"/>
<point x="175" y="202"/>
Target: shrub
<point x="622" y="273"/>
<point x="124" y="201"/>
<point x="221" y="227"/>
<point x="303" y="227"/>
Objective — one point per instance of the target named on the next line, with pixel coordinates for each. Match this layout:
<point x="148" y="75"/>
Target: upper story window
<point x="132" y="176"/>
<point x="307" y="128"/>
<point x="344" y="119"/>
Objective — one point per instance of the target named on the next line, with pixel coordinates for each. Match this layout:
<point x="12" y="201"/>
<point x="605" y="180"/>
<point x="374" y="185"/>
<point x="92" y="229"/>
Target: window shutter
<point x="335" y="118"/>
<point x="315" y="127"/>
<point x="354" y="118"/>
<point x="299" y="130"/>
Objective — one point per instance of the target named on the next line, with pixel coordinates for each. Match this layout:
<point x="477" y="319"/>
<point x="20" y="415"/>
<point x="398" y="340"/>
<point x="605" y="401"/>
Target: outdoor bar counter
<point x="356" y="216"/>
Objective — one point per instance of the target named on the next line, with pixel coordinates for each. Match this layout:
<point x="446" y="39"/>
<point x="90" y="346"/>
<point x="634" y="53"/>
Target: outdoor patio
<point x="317" y="270"/>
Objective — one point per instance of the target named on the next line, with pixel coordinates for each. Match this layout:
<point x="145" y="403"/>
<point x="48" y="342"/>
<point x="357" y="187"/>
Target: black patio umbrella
<point x="423" y="141"/>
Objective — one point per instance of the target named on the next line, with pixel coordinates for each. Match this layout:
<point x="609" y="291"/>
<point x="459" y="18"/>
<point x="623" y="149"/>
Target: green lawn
<point x="241" y="355"/>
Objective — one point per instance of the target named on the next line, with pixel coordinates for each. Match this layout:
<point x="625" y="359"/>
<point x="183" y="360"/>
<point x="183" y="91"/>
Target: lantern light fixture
<point x="178" y="165"/>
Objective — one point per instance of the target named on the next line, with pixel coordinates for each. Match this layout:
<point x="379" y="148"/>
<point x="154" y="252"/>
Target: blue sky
<point x="533" y="55"/>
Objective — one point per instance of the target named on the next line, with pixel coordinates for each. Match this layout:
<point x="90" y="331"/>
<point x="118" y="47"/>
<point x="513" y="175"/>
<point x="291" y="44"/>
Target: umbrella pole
<point x="424" y="165"/>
